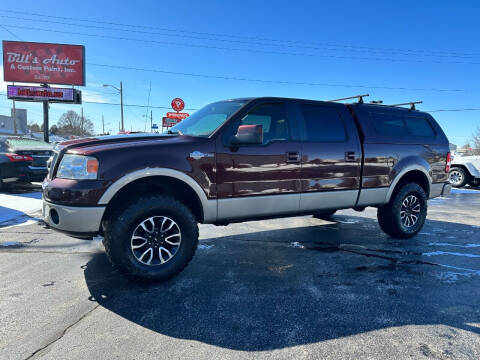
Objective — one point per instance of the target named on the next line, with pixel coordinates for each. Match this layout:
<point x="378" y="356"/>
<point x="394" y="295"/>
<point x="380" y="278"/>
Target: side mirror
<point x="248" y="134"/>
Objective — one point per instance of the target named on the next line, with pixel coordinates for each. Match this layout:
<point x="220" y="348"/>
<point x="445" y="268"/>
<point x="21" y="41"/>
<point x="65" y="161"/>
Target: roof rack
<point x="359" y="97"/>
<point x="376" y="102"/>
<point x="411" y="103"/>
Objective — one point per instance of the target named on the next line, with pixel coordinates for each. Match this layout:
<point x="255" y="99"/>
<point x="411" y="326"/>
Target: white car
<point x="465" y="170"/>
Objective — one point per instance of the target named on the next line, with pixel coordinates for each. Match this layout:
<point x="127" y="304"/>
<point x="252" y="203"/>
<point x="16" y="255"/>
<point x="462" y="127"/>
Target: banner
<point x="43" y="63"/>
<point x="38" y="93"/>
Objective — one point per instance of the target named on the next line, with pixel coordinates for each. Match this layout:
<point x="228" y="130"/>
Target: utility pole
<point x="122" y="127"/>
<point x="151" y="121"/>
<point x="103" y="126"/>
<point x="121" y="105"/>
<point x="14" y="114"/>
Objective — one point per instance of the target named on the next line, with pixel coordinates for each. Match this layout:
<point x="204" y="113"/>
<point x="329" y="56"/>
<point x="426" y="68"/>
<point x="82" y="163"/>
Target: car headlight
<point x="78" y="167"/>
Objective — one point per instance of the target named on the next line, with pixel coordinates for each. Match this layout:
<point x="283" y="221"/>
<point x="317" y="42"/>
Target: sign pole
<point x="45" y="121"/>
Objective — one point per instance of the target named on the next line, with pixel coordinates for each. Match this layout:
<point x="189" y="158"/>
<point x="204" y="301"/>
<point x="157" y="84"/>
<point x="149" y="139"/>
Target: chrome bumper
<point x="73" y="219"/>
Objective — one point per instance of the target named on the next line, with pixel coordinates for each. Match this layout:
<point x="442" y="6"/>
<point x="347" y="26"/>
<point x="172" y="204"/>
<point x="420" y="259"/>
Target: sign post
<point x="43" y="63"/>
<point x="46" y="136"/>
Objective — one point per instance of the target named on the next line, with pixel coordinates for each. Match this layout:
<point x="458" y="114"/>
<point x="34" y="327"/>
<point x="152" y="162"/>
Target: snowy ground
<point x="20" y="205"/>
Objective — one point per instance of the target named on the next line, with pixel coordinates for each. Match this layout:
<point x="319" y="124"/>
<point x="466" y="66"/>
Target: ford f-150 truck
<point x="244" y="159"/>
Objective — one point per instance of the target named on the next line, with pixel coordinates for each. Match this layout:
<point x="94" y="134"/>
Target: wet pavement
<point x="285" y="288"/>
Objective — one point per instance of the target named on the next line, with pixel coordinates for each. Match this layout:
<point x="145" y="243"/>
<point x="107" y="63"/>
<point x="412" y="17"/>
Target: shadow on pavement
<point x="280" y="288"/>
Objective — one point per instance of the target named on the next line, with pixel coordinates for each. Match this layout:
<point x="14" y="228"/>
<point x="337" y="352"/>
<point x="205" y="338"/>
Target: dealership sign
<point x="178" y="104"/>
<point x="38" y="93"/>
<point x="175" y="115"/>
<point x="168" y="122"/>
<point x="43" y="63"/>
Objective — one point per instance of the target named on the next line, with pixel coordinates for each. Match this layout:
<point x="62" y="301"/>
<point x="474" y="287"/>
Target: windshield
<point x="204" y="121"/>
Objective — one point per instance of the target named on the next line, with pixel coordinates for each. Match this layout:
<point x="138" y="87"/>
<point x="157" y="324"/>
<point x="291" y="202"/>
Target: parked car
<point x="244" y="159"/>
<point x="38" y="150"/>
<point x="465" y="170"/>
<point x="13" y="167"/>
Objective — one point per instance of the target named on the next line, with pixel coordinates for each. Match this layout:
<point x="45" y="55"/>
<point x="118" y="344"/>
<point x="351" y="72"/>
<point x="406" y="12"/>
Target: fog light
<point x="54" y="216"/>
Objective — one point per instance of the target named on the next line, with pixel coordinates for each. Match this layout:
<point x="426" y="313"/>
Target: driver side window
<point x="273" y="119"/>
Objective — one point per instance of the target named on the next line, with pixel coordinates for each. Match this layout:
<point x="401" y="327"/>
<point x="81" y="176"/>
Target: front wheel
<point x="457" y="177"/>
<point x="405" y="214"/>
<point x="152" y="239"/>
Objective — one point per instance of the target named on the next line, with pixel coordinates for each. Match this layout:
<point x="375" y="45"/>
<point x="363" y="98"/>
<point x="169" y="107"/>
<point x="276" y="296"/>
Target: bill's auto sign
<point x="43" y="63"/>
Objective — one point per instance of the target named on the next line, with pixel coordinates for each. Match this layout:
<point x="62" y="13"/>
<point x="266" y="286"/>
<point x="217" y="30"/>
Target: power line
<point x="158" y="42"/>
<point x="194" y="109"/>
<point x="322" y="47"/>
<point x="220" y="77"/>
<point x="232" y="35"/>
<point x="10" y="32"/>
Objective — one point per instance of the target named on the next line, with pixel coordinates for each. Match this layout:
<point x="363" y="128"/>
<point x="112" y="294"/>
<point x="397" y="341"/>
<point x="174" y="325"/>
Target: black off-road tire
<point x="324" y="215"/>
<point x="461" y="174"/>
<point x="389" y="217"/>
<point x="118" y="230"/>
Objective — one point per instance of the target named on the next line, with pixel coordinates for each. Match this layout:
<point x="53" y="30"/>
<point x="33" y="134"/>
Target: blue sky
<point x="415" y="47"/>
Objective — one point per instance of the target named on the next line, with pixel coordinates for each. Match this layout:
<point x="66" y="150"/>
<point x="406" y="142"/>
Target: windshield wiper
<point x="178" y="132"/>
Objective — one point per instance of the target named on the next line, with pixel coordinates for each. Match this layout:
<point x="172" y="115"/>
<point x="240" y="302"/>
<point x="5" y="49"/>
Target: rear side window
<point x="323" y="124"/>
<point x="396" y="125"/>
<point x="417" y="126"/>
<point x="388" y="124"/>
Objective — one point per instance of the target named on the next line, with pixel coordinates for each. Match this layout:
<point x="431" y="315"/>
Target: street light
<point x="121" y="101"/>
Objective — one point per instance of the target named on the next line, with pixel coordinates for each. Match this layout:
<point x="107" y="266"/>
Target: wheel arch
<point x="412" y="174"/>
<point x="160" y="180"/>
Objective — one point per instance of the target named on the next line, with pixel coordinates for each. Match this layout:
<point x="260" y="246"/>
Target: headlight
<point x="78" y="167"/>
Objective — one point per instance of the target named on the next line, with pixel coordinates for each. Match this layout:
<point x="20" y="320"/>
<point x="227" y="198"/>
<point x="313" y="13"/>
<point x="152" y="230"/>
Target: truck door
<point x="261" y="179"/>
<point x="331" y="157"/>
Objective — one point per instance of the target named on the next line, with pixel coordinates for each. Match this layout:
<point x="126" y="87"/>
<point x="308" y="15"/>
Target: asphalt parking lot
<point x="286" y="288"/>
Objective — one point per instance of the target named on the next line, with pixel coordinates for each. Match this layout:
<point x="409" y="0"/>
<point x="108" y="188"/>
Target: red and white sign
<point x="43" y="63"/>
<point x="167" y="122"/>
<point x="177" y="115"/>
<point x="178" y="104"/>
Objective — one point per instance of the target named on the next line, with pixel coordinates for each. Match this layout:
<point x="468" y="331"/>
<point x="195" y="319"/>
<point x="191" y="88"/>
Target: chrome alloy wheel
<point x="410" y="211"/>
<point x="156" y="240"/>
<point x="455" y="177"/>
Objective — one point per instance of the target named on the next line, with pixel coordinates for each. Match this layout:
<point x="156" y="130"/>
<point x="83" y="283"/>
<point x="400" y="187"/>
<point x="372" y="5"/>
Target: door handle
<point x="350" y="156"/>
<point x="293" y="157"/>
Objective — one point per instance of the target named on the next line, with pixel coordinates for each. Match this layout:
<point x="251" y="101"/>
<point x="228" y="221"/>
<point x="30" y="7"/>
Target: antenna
<point x="411" y="103"/>
<point x="360" y="98"/>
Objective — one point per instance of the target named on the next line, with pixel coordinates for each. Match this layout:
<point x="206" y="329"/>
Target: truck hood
<point x="89" y="146"/>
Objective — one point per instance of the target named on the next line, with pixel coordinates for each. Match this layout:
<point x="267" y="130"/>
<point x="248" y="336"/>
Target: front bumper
<point x="78" y="221"/>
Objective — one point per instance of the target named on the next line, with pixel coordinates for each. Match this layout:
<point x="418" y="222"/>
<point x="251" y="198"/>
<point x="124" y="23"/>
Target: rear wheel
<point x="405" y="214"/>
<point x="457" y="177"/>
<point x="152" y="239"/>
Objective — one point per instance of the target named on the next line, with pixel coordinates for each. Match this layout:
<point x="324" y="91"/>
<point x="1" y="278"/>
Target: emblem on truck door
<point x="198" y="155"/>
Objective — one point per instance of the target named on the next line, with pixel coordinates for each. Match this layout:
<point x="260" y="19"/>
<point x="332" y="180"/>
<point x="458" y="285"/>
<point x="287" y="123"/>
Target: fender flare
<point x="209" y="206"/>
<point x="400" y="176"/>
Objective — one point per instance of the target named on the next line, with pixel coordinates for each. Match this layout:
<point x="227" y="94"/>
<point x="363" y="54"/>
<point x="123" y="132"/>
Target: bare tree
<point x="33" y="127"/>
<point x="71" y="123"/>
<point x="476" y="139"/>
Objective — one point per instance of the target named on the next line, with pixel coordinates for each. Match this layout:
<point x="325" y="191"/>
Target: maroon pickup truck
<point x="244" y="159"/>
